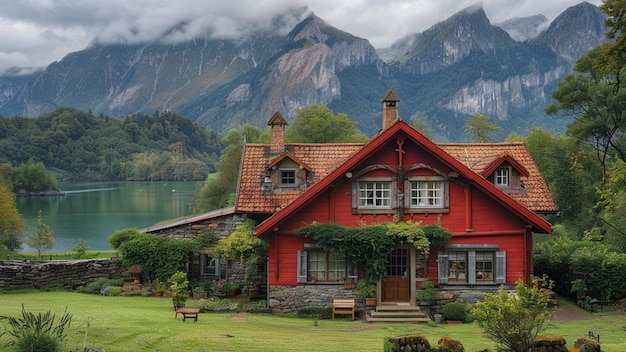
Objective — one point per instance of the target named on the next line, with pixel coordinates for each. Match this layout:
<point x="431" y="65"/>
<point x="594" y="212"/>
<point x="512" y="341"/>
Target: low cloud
<point x="42" y="31"/>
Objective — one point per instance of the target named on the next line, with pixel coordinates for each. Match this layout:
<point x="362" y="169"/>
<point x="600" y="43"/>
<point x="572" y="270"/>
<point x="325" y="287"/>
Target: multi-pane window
<point x="471" y="267"/>
<point x="288" y="177"/>
<point x="457" y="267"/>
<point x="325" y="266"/>
<point x="427" y="194"/>
<point x="484" y="266"/>
<point x="374" y="195"/>
<point x="502" y="176"/>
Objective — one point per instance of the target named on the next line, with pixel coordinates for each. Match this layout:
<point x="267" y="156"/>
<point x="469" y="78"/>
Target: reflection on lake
<point x="92" y="211"/>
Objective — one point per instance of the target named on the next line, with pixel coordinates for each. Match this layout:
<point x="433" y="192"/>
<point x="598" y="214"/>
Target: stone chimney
<point x="277" y="133"/>
<point x="390" y="108"/>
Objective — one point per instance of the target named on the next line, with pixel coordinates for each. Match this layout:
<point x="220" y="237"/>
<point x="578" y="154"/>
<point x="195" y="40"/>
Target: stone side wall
<point x="69" y="274"/>
<point x="288" y="299"/>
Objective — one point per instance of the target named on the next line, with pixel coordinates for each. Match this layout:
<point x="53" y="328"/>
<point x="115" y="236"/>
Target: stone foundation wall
<point x="69" y="274"/>
<point x="288" y="299"/>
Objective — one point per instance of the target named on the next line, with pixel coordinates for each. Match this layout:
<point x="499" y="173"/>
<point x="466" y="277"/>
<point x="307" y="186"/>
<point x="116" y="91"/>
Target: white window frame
<point x="502" y="176"/>
<point x="382" y="194"/>
<point x="420" y="199"/>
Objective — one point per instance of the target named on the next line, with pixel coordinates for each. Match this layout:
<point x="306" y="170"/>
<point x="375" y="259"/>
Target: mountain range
<point x="458" y="67"/>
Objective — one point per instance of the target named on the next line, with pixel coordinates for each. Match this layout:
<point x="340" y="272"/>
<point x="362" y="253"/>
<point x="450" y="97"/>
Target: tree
<point x="219" y="189"/>
<point x="613" y="54"/>
<point x="11" y="222"/>
<point x="420" y="125"/>
<point x="42" y="238"/>
<point x="480" y="129"/>
<point x="598" y="107"/>
<point x="33" y="177"/>
<point x="513" y="320"/>
<point x="317" y="124"/>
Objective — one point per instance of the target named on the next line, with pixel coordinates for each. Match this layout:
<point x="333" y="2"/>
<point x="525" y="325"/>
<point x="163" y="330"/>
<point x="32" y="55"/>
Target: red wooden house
<point x="489" y="196"/>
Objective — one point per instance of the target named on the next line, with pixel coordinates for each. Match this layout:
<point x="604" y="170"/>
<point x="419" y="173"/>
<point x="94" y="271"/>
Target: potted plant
<point x="368" y="291"/>
<point x="231" y="288"/>
<point x="159" y="287"/>
<point x="179" y="285"/>
<point x="349" y="284"/>
<point x="425" y="292"/>
<point x="135" y="270"/>
<point x="454" y="312"/>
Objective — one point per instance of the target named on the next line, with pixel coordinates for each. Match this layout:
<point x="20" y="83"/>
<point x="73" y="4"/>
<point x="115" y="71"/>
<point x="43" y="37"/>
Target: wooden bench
<point x="188" y="313"/>
<point x="343" y="306"/>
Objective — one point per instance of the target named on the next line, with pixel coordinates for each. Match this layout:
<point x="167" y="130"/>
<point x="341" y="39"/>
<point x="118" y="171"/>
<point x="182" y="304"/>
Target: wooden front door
<point x="395" y="286"/>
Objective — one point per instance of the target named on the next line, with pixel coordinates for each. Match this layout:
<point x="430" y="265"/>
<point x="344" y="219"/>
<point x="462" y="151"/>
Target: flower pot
<point x="158" y="293"/>
<point x="454" y="322"/>
<point x="230" y="293"/>
<point x="349" y="286"/>
<point x="370" y="301"/>
<point x="136" y="281"/>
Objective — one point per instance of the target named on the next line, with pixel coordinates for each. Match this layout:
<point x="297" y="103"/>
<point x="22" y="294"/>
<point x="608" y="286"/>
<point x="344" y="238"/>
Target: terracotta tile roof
<point x="480" y="156"/>
<point x="321" y="158"/>
<point x="324" y="158"/>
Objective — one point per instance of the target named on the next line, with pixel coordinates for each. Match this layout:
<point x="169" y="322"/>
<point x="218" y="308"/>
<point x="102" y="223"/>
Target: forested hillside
<point x="79" y="145"/>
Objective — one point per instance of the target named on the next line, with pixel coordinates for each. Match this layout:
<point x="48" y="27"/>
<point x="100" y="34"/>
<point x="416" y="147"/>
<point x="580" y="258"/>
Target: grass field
<point x="148" y="324"/>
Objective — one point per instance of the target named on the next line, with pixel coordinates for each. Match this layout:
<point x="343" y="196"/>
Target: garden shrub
<point x="101" y="283"/>
<point x="455" y="311"/>
<point x="215" y="304"/>
<point x="448" y="344"/>
<point x="37" y="332"/>
<point x="159" y="256"/>
<point x="584" y="344"/>
<point x="426" y="291"/>
<point x="316" y="312"/>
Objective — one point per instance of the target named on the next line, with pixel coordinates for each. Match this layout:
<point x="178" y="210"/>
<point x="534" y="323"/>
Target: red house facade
<point x="489" y="196"/>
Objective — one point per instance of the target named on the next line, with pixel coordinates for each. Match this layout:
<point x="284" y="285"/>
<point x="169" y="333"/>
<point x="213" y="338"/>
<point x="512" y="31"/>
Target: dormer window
<point x="287" y="177"/>
<point x="502" y="177"/>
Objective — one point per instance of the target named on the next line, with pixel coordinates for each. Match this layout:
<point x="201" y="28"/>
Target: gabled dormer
<point x="287" y="173"/>
<point x="506" y="173"/>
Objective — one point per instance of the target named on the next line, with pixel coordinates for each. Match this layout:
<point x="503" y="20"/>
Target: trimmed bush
<point x="448" y="344"/>
<point x="455" y="311"/>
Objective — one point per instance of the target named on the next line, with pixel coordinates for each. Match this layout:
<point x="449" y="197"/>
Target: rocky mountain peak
<point x="575" y="31"/>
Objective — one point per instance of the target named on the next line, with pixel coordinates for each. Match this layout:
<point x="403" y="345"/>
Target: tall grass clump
<point x="36" y="332"/>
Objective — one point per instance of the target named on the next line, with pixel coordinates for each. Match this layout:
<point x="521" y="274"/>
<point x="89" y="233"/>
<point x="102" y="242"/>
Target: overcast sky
<point x="38" y="32"/>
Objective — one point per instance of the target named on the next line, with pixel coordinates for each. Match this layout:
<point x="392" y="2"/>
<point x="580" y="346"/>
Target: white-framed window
<point x="471" y="267"/>
<point x="287" y="177"/>
<point x="426" y="194"/>
<point x="315" y="265"/>
<point x="502" y="176"/>
<point x="374" y="194"/>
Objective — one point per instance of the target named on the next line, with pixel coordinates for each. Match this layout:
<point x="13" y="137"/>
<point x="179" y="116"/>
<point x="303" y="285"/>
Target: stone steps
<point x="396" y="313"/>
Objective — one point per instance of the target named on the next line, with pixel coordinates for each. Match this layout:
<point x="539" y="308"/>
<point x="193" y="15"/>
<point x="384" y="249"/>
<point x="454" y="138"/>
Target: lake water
<point x="92" y="211"/>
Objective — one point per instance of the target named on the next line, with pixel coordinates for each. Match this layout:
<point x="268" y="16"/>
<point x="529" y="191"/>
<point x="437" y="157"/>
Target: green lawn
<point x="148" y="324"/>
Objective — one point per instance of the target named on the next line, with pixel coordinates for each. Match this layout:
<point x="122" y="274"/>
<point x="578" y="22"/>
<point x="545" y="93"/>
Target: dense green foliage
<point x="11" y="222"/>
<point x="219" y="190"/>
<point x="33" y="177"/>
<point x="513" y="321"/>
<point x="79" y="145"/>
<point x="318" y="124"/>
<point x="40" y="332"/>
<point x="159" y="256"/>
<point x="601" y="265"/>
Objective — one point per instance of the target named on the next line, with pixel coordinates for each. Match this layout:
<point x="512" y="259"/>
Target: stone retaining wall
<point x="69" y="274"/>
<point x="288" y="299"/>
<point x="221" y="226"/>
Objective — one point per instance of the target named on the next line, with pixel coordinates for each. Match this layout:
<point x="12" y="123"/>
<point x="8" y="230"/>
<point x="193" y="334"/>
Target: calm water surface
<point x="92" y="211"/>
